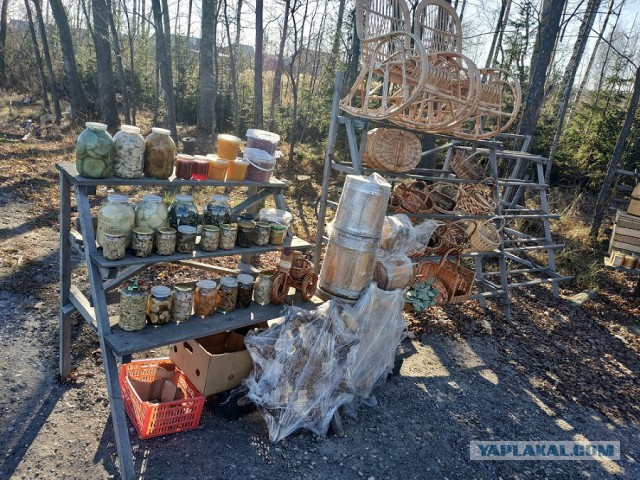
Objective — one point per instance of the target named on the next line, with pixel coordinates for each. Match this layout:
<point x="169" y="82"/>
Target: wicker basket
<point x="422" y="274"/>
<point x="485" y="237"/>
<point x="467" y="166"/>
<point x="392" y="150"/>
<point x="457" y="279"/>
<point x="478" y="199"/>
<point x="443" y="197"/>
<point x="413" y="198"/>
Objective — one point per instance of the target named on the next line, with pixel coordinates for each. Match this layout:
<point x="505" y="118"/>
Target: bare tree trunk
<point x="335" y="47"/>
<point x="79" y="103"/>
<point x="126" y="109"/>
<point x="87" y="19"/>
<point x="257" y="77"/>
<point x="277" y="77"/>
<point x="163" y="59"/>
<point x="354" y="53"/>
<point x="570" y="74"/>
<point x="131" y="29"/>
<point x="234" y="73"/>
<point x="38" y="57"/>
<point x="499" y="29"/>
<point x="3" y="41"/>
<point x="206" y="97"/>
<point x="603" y="196"/>
<point x="106" y="91"/>
<point x="606" y="58"/>
<point x="51" y="79"/>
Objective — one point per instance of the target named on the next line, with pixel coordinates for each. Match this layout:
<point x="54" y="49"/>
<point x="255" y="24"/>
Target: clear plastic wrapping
<point x="401" y="237"/>
<point x="301" y="370"/>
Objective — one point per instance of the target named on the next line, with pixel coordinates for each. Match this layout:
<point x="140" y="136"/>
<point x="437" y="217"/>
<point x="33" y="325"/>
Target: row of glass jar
<point x="255" y="166"/>
<point x="163" y="304"/>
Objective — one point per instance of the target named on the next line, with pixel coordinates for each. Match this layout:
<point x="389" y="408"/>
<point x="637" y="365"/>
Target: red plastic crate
<point x="155" y="419"/>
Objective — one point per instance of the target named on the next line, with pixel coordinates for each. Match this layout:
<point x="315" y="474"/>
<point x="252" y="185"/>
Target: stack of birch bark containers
<point x="624" y="247"/>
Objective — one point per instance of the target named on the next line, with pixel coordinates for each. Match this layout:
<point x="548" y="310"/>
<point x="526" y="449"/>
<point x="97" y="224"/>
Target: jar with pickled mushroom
<point x="261" y="233"/>
<point x="129" y="152"/>
<point x="245" y="233"/>
<point x="228" y="233"/>
<point x="245" y="290"/>
<point x="217" y="211"/>
<point x="166" y="238"/>
<point x="116" y="215"/>
<point x="114" y="245"/>
<point x="183" y="211"/>
<point x="94" y="151"/>
<point x="142" y="244"/>
<point x="210" y="238"/>
<point x="262" y="289"/>
<point x="206" y="297"/>
<point x="159" y="306"/>
<point x="182" y="302"/>
<point x="186" y="242"/>
<point x="152" y="213"/>
<point x="159" y="154"/>
<point x="227" y="294"/>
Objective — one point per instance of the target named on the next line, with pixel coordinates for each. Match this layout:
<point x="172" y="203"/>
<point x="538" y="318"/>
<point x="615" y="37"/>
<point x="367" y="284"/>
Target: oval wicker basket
<point x="467" y="166"/>
<point x="485" y="237"/>
<point x="392" y="150"/>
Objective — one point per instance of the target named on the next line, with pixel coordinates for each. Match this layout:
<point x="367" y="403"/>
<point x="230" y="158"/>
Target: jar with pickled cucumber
<point x="133" y="307"/>
<point x="117" y="215"/>
<point x="95" y="151"/>
<point x="152" y="213"/>
<point x="129" y="152"/>
<point x="159" y="305"/>
<point x="159" y="154"/>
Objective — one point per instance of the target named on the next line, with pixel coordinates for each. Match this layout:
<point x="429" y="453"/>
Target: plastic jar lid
<point x="246" y="224"/>
<point x="229" y="138"/>
<point x="187" y="229"/>
<point x="143" y="231"/>
<point x="278" y="226"/>
<point x="183" y="197"/>
<point x="245" y="279"/>
<point x="218" y="198"/>
<point x="263" y="135"/>
<point x="242" y="161"/>
<point x="160" y="291"/>
<point x="167" y="230"/>
<point x="183" y="287"/>
<point x="207" y="284"/>
<point x="129" y="129"/>
<point x="113" y="233"/>
<point x="117" y="198"/>
<point x="211" y="228"/>
<point x="201" y="158"/>
<point x="152" y="198"/>
<point x="228" y="226"/>
<point x="184" y="156"/>
<point x="96" y="125"/>
<point x="219" y="162"/>
<point x="161" y="131"/>
<point x="228" y="282"/>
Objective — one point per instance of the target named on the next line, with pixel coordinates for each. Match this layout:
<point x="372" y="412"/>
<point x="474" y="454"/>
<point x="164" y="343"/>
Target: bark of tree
<point x="38" y="57"/>
<point x="51" y="79"/>
<point x="570" y="74"/>
<point x="163" y="59"/>
<point x="126" y="108"/>
<point x="499" y="29"/>
<point x="87" y="19"/>
<point x="79" y="103"/>
<point x="354" y="53"/>
<point x="3" y="42"/>
<point x="335" y="48"/>
<point x="104" y="67"/>
<point x="233" y="70"/>
<point x="277" y="77"/>
<point x="606" y="58"/>
<point x="131" y="35"/>
<point x="603" y="196"/>
<point x="207" y="90"/>
<point x="257" y="82"/>
<point x="540" y="59"/>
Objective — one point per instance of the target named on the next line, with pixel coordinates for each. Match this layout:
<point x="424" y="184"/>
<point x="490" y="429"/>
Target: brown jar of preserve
<point x="159" y="154"/>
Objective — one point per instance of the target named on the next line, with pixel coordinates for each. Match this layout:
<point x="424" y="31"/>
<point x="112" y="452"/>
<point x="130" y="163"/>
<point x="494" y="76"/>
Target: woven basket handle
<point x="419" y="185"/>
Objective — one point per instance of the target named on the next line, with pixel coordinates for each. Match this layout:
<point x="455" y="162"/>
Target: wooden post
<point x="64" y="269"/>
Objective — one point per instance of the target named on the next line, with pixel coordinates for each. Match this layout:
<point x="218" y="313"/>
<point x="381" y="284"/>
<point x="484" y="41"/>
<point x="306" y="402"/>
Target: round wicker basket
<point x="392" y="150"/>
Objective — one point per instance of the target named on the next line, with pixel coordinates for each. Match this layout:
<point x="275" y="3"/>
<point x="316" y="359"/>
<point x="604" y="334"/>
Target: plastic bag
<point x="397" y="233"/>
<point x="423" y="233"/>
<point x="379" y="326"/>
<point x="301" y="370"/>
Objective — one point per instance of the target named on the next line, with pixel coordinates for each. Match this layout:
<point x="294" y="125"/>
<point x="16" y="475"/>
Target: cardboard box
<point x="214" y="364"/>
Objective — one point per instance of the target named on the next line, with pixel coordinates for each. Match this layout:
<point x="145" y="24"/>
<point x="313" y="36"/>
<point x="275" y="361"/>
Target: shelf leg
<point x="64" y="269"/>
<point x="479" y="278"/>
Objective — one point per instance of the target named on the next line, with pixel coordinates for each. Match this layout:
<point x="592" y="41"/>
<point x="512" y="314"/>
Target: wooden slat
<point x="125" y="343"/>
<point x="130" y="259"/>
<point x="81" y="302"/>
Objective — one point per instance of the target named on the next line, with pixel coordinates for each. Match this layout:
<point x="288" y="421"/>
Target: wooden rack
<point x="117" y="345"/>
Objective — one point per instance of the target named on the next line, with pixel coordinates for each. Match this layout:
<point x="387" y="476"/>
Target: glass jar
<point x="262" y="289"/>
<point x="245" y="290"/>
<point x="166" y="240"/>
<point x="245" y="233"/>
<point x="182" y="302"/>
<point x="133" y="308"/>
<point x="261" y="233"/>
<point x="94" y="151"/>
<point x="228" y="235"/>
<point x="183" y="211"/>
<point x="116" y="215"/>
<point x="114" y="244"/>
<point x="228" y="146"/>
<point x="200" y="168"/>
<point x="277" y="234"/>
<point x="217" y="168"/>
<point x="151" y="213"/>
<point x="210" y="238"/>
<point x="184" y="166"/>
<point x="217" y="211"/>
<point x="237" y="170"/>
<point x="159" y="153"/>
<point x="142" y="244"/>
<point x="129" y="152"/>
<point x="186" y="242"/>
<point x="227" y="294"/>
<point x="159" y="306"/>
<point x="206" y="298"/>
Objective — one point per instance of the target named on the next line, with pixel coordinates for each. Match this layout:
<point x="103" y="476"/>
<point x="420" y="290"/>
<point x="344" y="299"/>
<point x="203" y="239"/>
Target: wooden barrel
<point x="393" y="273"/>
<point x="348" y="264"/>
<point x="363" y="205"/>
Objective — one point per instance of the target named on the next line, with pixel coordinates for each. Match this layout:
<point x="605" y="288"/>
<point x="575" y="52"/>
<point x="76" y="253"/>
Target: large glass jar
<point x="94" y="151"/>
<point x="129" y="152"/>
<point x="116" y="215"/>
<point x="183" y="211"/>
<point x="133" y="307"/>
<point x="159" y="306"/>
<point x="217" y="211"/>
<point x="245" y="290"/>
<point x="151" y="213"/>
<point x="262" y="289"/>
<point x="182" y="303"/>
<point x="206" y="297"/>
<point x="227" y="294"/>
<point x="159" y="154"/>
